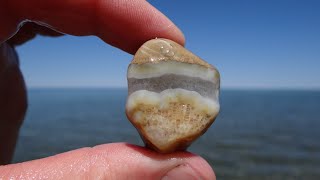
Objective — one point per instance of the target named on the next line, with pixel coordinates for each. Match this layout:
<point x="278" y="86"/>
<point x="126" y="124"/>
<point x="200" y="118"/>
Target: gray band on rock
<point x="173" y="81"/>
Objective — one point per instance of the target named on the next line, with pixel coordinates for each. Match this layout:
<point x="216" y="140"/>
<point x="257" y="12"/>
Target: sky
<point x="265" y="44"/>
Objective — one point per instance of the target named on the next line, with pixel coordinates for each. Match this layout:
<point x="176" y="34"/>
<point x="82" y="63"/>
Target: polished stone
<point x="173" y="95"/>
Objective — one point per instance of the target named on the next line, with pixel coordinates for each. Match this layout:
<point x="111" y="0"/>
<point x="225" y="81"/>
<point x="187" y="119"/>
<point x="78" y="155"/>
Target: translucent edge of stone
<point x="149" y="70"/>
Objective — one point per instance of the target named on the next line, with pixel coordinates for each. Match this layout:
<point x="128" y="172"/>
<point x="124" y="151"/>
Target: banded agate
<point x="173" y="95"/>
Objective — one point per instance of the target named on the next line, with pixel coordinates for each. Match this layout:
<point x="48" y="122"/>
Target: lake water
<point x="258" y="134"/>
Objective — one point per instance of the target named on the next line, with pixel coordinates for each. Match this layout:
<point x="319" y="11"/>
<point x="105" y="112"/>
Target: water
<point x="258" y="134"/>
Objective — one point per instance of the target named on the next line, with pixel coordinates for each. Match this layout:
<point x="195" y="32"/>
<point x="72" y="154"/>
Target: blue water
<point x="258" y="134"/>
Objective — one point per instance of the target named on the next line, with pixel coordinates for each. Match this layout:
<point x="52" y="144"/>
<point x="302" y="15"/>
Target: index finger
<point x="121" y="23"/>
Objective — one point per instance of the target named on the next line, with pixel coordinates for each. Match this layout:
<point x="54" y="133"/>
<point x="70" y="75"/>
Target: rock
<point x="173" y="95"/>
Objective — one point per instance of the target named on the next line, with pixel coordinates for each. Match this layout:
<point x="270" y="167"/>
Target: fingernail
<point x="183" y="171"/>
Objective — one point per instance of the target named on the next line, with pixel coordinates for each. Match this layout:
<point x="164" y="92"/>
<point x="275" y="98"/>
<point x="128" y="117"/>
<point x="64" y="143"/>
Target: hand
<point x="122" y="23"/>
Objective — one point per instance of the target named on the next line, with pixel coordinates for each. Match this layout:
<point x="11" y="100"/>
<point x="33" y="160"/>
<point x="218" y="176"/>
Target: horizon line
<point x="222" y="88"/>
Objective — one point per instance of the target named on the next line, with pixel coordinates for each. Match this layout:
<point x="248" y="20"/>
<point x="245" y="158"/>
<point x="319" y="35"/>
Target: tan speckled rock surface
<point x="173" y="95"/>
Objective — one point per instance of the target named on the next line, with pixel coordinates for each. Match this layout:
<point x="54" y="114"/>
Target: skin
<point x="121" y="23"/>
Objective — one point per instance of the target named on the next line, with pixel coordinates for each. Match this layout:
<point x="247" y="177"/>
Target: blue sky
<point x="254" y="44"/>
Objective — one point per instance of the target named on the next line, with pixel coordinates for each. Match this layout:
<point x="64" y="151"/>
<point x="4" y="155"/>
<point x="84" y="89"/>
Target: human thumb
<point x="112" y="161"/>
